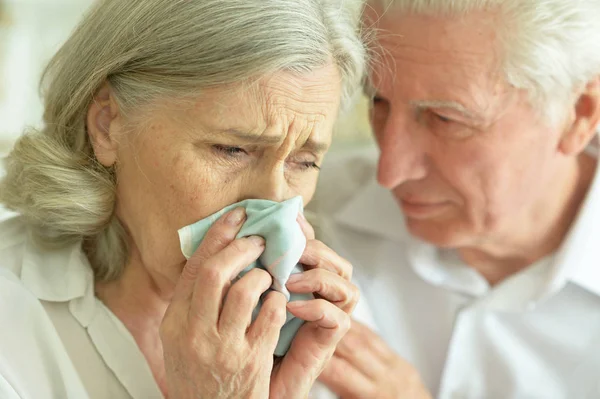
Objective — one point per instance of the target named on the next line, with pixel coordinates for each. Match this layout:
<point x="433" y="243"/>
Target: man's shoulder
<point x="343" y="174"/>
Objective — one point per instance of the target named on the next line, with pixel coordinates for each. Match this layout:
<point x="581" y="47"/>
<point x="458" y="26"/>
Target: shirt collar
<point x="65" y="275"/>
<point x="374" y="210"/>
<point x="56" y="274"/>
<point x="578" y="259"/>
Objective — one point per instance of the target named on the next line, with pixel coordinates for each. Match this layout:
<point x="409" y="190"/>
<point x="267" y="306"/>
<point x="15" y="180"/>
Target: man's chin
<point x="440" y="234"/>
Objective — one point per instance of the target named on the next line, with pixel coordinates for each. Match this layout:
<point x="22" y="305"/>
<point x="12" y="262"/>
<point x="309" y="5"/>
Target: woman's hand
<point x="364" y="366"/>
<point x="211" y="347"/>
<point x="328" y="317"/>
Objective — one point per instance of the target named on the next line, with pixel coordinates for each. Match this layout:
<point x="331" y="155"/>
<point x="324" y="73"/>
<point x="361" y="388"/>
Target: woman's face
<point x="182" y="164"/>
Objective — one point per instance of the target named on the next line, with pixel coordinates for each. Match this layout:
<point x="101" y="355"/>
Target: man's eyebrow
<point x="458" y="107"/>
<point x="249" y="138"/>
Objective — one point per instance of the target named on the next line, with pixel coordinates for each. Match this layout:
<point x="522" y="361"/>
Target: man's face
<point x="465" y="154"/>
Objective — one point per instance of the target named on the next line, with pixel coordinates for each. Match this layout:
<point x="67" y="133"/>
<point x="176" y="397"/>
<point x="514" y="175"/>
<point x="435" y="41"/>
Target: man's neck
<point x="540" y="232"/>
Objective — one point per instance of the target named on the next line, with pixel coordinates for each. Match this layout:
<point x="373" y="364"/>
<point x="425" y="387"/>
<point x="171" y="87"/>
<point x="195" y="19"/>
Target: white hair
<point x="148" y="50"/>
<point x="551" y="47"/>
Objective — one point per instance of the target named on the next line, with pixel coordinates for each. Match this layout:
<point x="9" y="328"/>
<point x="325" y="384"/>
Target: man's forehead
<point x="418" y="47"/>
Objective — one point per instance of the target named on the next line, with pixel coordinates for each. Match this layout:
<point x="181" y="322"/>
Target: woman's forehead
<point x="314" y="97"/>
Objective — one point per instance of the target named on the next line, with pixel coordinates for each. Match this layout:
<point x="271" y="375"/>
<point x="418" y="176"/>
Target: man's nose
<point x="402" y="156"/>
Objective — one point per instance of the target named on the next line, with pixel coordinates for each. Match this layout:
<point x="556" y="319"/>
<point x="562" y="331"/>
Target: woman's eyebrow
<point x="249" y="138"/>
<point x="315" y="146"/>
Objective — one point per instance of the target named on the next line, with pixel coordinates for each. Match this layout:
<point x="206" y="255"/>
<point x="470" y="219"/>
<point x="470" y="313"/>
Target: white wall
<point x="30" y="32"/>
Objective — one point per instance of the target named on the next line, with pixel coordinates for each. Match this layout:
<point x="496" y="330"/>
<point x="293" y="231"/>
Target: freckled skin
<point x="171" y="175"/>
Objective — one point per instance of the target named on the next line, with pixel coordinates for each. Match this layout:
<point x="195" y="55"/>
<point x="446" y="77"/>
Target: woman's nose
<point x="268" y="183"/>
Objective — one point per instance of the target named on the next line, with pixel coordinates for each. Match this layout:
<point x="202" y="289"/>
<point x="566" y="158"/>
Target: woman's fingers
<point x="318" y="255"/>
<point x="265" y="329"/>
<point x="307" y="229"/>
<point x="327" y="285"/>
<point x="215" y="275"/>
<point x="221" y="234"/>
<point x="240" y="301"/>
<point x="313" y="345"/>
<point x="331" y="320"/>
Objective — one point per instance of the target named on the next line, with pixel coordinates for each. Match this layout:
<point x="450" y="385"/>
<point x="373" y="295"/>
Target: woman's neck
<point x="140" y="305"/>
<point x="540" y="232"/>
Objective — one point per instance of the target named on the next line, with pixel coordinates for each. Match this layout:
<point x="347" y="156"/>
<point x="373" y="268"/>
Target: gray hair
<point x="551" y="47"/>
<point x="147" y="50"/>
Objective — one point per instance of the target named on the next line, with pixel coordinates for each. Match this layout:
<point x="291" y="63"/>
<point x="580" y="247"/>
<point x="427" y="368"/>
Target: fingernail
<point x="301" y="216"/>
<point x="294" y="278"/>
<point x="257" y="240"/>
<point x="236" y="217"/>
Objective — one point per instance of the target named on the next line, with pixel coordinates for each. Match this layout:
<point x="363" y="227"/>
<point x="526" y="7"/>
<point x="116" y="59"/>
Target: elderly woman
<point x="158" y="114"/>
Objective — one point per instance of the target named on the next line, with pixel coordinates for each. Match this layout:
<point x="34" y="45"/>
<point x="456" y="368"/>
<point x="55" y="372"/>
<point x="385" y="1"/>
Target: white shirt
<point x="57" y="340"/>
<point x="535" y="335"/>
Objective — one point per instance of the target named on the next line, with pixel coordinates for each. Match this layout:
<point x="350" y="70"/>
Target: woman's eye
<point x="309" y="165"/>
<point x="302" y="164"/>
<point x="229" y="150"/>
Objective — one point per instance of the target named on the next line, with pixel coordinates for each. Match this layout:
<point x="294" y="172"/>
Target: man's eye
<point x="447" y="127"/>
<point x="378" y="100"/>
<point x="229" y="150"/>
<point x="435" y="120"/>
<point x="442" y="118"/>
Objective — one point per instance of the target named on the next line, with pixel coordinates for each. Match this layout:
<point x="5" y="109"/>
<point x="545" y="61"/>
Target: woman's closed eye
<point x="229" y="150"/>
<point x="233" y="152"/>
<point x="308" y="165"/>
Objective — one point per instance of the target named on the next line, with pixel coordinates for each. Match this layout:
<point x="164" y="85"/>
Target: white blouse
<point x="57" y="339"/>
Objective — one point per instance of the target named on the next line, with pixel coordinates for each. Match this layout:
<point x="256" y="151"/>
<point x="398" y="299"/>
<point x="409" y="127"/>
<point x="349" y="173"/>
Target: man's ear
<point x="102" y="114"/>
<point x="586" y="118"/>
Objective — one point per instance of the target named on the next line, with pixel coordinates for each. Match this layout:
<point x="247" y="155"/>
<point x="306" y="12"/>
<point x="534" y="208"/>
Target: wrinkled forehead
<point x="441" y="59"/>
<point x="302" y="105"/>
<point x="452" y="48"/>
<point x="312" y="92"/>
<point x="471" y="34"/>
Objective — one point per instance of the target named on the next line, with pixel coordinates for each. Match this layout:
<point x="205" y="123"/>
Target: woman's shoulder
<point x="13" y="238"/>
<point x="30" y="349"/>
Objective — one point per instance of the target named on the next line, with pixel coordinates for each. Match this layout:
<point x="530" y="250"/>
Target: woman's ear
<point x="586" y="118"/>
<point x="102" y="113"/>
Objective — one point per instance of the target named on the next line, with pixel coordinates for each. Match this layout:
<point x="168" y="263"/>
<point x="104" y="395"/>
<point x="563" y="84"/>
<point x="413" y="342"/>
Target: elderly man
<point x="478" y="243"/>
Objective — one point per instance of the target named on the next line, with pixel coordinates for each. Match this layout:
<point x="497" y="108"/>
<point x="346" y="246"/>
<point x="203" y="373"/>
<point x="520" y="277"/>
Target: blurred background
<point x="32" y="30"/>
